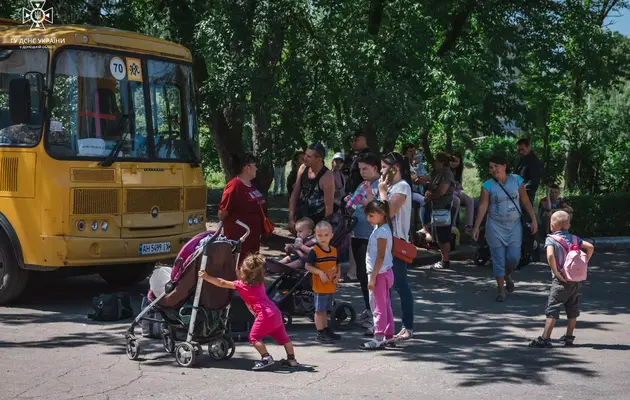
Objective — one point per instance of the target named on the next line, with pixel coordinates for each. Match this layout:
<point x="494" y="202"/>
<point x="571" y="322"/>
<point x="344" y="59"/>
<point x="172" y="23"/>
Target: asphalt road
<point x="466" y="346"/>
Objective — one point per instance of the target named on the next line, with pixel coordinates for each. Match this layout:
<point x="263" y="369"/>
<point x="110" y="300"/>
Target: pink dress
<point x="268" y="317"/>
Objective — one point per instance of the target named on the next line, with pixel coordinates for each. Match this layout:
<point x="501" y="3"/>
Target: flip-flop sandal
<point x="500" y="299"/>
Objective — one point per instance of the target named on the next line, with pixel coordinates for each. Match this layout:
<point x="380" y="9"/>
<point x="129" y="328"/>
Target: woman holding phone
<point x="394" y="187"/>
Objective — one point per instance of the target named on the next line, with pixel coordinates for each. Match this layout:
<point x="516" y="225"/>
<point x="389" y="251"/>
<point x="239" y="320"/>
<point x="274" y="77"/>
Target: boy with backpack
<point x="568" y="268"/>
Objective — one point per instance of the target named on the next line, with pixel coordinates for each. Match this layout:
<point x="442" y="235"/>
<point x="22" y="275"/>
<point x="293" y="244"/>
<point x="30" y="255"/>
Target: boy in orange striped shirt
<point x="322" y="264"/>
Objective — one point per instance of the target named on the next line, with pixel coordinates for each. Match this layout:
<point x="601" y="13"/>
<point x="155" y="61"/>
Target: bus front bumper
<point x="66" y="251"/>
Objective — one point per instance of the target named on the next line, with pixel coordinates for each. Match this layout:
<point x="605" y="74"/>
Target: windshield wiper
<point x="194" y="162"/>
<point x="109" y="160"/>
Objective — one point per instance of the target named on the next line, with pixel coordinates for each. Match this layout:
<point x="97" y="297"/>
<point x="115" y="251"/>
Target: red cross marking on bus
<point x="97" y="115"/>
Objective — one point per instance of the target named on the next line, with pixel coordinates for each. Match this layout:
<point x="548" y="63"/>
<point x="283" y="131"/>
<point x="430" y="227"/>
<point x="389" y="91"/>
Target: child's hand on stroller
<point x="203" y="274"/>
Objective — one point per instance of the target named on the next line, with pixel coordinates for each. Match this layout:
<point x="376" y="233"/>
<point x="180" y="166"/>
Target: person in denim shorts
<point x="563" y="294"/>
<point x="322" y="264"/>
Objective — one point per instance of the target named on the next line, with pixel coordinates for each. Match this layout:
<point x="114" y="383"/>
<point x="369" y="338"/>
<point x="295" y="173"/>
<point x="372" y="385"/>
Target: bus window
<point x="94" y="107"/>
<point x="22" y="81"/>
<point x="172" y="105"/>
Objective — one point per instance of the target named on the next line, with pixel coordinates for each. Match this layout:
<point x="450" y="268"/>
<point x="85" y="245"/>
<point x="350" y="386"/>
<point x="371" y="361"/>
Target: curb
<point x="610" y="243"/>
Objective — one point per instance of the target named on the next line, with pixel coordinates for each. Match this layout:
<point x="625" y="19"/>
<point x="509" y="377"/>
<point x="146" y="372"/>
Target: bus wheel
<point x="126" y="275"/>
<point x="13" y="279"/>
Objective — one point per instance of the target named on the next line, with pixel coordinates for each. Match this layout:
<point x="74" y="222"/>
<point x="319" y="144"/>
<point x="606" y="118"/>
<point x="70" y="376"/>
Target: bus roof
<point x="12" y="32"/>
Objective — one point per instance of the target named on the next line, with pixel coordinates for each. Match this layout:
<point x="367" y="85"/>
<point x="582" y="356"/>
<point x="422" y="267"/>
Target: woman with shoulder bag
<point x="500" y="198"/>
<point x="440" y="204"/>
<point x="394" y="186"/>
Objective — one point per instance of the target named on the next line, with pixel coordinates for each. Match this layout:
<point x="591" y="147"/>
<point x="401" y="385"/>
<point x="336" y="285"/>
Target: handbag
<point x="268" y="226"/>
<point x="404" y="251"/>
<point x="440" y="218"/>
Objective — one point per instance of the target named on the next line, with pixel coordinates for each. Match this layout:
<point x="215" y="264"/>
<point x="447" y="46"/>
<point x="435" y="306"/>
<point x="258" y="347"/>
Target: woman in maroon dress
<point x="242" y="201"/>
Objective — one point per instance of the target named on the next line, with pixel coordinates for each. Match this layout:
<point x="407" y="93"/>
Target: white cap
<point x="338" y="155"/>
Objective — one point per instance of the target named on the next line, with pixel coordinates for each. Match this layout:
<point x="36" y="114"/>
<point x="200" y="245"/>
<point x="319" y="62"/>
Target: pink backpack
<point x="575" y="264"/>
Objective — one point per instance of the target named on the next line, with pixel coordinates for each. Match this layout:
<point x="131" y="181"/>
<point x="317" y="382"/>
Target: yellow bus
<point x="99" y="153"/>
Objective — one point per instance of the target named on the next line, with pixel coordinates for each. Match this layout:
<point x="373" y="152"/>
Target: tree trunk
<point x="226" y="126"/>
<point x="449" y="140"/>
<point x="571" y="169"/>
<point x="426" y="148"/>
<point x="263" y="88"/>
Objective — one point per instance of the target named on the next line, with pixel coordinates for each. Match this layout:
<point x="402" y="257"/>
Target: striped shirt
<point x="327" y="262"/>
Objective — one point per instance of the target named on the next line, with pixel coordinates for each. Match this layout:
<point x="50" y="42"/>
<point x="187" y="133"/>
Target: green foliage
<point x="274" y="76"/>
<point x="489" y="146"/>
<point x="593" y="215"/>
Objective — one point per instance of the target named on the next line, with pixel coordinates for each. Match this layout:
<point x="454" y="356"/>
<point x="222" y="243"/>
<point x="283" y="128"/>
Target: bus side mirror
<point x="19" y="101"/>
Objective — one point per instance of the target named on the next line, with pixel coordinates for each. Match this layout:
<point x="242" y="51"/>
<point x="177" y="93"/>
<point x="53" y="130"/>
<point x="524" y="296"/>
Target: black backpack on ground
<point x="111" y="307"/>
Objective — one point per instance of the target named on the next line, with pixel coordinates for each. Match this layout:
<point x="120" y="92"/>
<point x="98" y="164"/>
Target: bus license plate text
<point x="155" y="248"/>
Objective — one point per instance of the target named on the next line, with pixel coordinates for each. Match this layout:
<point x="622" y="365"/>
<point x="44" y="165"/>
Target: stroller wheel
<point x="133" y="350"/>
<point x="185" y="354"/>
<point x="221" y="348"/>
<point x="287" y="320"/>
<point x="343" y="315"/>
<point x="167" y="341"/>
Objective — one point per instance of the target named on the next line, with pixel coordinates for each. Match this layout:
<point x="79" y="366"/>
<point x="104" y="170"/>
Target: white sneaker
<point x="365" y="315"/>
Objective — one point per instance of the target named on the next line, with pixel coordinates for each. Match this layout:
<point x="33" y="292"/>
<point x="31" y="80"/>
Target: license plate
<point x="155" y="248"/>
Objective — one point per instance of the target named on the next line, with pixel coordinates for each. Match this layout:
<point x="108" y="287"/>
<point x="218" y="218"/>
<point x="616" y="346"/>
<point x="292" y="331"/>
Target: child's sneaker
<point x="567" y="340"/>
<point x="264" y="363"/>
<point x="329" y="332"/>
<point x="322" y="337"/>
<point x="541" y="343"/>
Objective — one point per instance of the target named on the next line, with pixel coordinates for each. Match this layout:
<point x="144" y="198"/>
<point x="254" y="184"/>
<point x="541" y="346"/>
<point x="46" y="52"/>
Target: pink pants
<point x="381" y="305"/>
<point x="270" y="325"/>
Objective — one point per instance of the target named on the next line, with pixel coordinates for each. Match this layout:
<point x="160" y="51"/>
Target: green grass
<point x="471" y="182"/>
<point x="215" y="180"/>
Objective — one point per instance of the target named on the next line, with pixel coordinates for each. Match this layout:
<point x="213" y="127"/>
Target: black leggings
<point x="359" y="251"/>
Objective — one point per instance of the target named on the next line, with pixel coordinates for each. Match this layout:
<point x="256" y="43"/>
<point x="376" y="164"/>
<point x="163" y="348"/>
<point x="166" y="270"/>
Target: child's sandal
<point x="290" y="363"/>
<point x="541" y="343"/>
<point x="567" y="340"/>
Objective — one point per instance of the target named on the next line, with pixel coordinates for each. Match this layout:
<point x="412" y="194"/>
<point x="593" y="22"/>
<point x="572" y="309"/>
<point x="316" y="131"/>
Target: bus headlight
<point x="190" y="220"/>
<point x="81" y="226"/>
<point x="94" y="225"/>
<point x="104" y="225"/>
<point x="196" y="220"/>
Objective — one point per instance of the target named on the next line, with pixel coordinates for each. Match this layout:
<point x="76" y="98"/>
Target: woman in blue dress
<point x="504" y="230"/>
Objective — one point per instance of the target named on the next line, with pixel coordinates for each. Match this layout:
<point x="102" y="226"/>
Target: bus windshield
<point x="106" y="103"/>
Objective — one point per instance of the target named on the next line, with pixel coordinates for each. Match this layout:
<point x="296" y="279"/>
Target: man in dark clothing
<point x="529" y="168"/>
<point x="359" y="146"/>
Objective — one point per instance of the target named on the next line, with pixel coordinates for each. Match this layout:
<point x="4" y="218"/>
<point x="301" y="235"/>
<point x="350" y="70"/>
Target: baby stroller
<point x="204" y="316"/>
<point x="529" y="249"/>
<point x="292" y="291"/>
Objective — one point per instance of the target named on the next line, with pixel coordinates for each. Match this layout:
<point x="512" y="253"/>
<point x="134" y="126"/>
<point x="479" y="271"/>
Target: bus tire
<point x="13" y="279"/>
<point x="126" y="275"/>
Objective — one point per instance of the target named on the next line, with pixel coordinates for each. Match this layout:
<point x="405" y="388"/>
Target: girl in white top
<point x="379" y="263"/>
<point x="395" y="188"/>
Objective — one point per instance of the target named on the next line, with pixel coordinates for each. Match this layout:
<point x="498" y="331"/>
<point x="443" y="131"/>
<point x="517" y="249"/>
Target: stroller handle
<point x="247" y="230"/>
